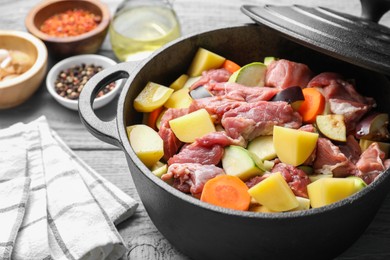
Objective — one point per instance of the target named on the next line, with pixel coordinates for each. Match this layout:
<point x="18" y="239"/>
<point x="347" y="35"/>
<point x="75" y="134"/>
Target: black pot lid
<point x="359" y="41"/>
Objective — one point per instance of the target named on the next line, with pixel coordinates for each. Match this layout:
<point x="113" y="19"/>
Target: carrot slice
<point x="312" y="106"/>
<point x="152" y="118"/>
<point x="230" y="66"/>
<point x="226" y="191"/>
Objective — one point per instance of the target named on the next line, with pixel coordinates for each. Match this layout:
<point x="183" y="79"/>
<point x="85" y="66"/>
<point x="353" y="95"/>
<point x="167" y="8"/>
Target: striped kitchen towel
<point x="13" y="199"/>
<point x="72" y="210"/>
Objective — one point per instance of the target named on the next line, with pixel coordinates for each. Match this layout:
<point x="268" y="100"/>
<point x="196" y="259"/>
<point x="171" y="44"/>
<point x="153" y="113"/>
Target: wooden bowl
<point x="62" y="47"/>
<point x="15" y="91"/>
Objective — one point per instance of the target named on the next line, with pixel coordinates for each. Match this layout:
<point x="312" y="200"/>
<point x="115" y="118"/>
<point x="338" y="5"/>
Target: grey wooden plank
<point x="143" y="239"/>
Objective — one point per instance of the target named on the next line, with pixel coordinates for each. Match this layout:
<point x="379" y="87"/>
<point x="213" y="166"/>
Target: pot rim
<point x="120" y="121"/>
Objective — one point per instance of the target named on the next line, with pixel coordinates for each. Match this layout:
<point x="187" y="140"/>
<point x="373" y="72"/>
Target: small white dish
<point x="88" y="59"/>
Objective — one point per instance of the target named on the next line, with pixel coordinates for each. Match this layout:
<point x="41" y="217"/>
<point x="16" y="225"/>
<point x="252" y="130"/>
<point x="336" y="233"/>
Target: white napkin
<point x="71" y="210"/>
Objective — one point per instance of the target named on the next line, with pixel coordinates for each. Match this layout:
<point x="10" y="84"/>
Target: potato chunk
<point x="193" y="125"/>
<point x="146" y="143"/>
<point x="326" y="191"/>
<point x="204" y="60"/>
<point x="179" y="99"/>
<point x="274" y="193"/>
<point x="152" y="97"/>
<point x="293" y="146"/>
<point x="179" y="82"/>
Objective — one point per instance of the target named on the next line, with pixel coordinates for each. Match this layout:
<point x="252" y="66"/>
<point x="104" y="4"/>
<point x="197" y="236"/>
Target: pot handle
<point x="103" y="130"/>
<point x="373" y="10"/>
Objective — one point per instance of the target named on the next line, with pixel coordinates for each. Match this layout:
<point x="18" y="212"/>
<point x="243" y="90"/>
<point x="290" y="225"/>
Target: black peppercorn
<point x="71" y="81"/>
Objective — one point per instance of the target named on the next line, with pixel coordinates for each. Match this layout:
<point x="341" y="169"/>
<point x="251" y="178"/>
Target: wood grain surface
<point x="142" y="238"/>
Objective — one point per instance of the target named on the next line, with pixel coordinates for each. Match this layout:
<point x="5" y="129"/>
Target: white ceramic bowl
<point x="88" y="59"/>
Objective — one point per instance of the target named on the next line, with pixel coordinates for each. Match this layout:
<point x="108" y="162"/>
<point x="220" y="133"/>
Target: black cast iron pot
<point x="203" y="231"/>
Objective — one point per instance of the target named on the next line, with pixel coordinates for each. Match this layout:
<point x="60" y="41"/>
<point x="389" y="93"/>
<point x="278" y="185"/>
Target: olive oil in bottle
<point x="138" y="30"/>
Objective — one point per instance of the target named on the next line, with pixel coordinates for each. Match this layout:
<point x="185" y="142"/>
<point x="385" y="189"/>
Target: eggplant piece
<point x="373" y="127"/>
<point x="332" y="127"/>
<point x="292" y="95"/>
<point x="200" y="92"/>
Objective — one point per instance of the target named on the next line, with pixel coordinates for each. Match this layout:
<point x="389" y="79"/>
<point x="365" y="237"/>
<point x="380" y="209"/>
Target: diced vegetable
<point x="327" y="110"/>
<point x="204" y="60"/>
<point x="146" y="143"/>
<point x="268" y="60"/>
<point x="238" y="162"/>
<point x="152" y="97"/>
<point x="268" y="165"/>
<point x="291" y="95"/>
<point x="230" y="66"/>
<point x="293" y="146"/>
<point x="190" y="81"/>
<point x="179" y="99"/>
<point x="373" y="127"/>
<point x="153" y="116"/>
<point x="274" y="193"/>
<point x="193" y="125"/>
<point x="226" y="191"/>
<point x="316" y="177"/>
<point x="290" y="146"/>
<point x="326" y="191"/>
<point x="312" y="106"/>
<point x="359" y="183"/>
<point x="179" y="82"/>
<point x="158" y="120"/>
<point x="263" y="147"/>
<point x="332" y="126"/>
<point x="304" y="204"/>
<point x="200" y="92"/>
<point x="263" y="165"/>
<point x="250" y="75"/>
<point x="159" y="169"/>
<point x="385" y="147"/>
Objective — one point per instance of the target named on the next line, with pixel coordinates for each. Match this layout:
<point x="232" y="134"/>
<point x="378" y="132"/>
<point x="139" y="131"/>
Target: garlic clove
<point x="3" y="54"/>
<point x="6" y="62"/>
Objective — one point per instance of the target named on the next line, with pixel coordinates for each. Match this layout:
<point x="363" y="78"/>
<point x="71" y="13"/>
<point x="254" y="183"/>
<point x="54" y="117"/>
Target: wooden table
<point x="142" y="238"/>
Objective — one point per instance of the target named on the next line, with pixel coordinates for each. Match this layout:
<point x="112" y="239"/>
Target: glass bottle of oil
<point x="139" y="27"/>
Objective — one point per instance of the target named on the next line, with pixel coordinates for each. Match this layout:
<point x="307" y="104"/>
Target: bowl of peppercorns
<point x="67" y="78"/>
<point x="69" y="27"/>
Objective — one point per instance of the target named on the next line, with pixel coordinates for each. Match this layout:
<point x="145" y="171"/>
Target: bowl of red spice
<point x="66" y="79"/>
<point x="69" y="27"/>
